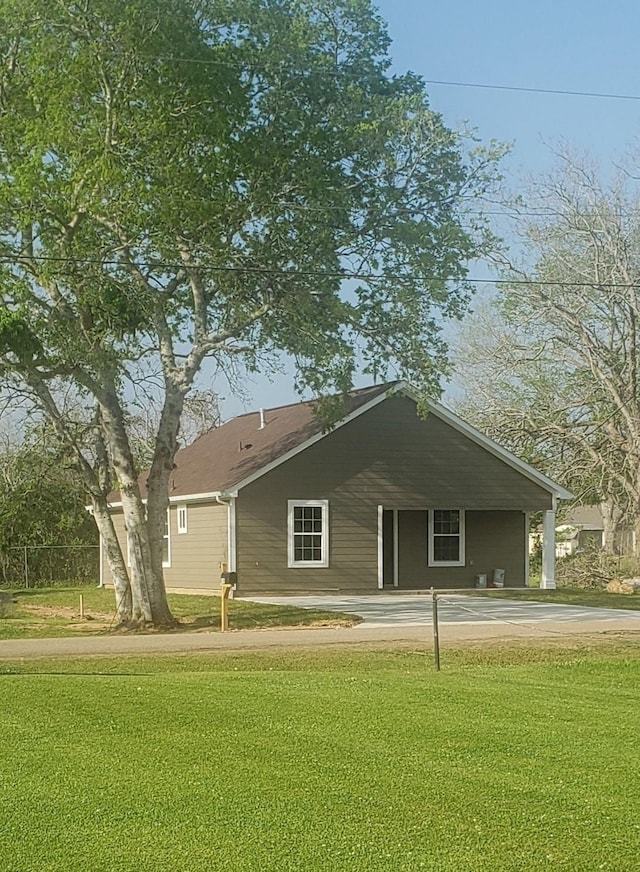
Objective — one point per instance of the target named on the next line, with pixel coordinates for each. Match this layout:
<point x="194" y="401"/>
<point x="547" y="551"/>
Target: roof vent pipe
<point x="262" y="421"/>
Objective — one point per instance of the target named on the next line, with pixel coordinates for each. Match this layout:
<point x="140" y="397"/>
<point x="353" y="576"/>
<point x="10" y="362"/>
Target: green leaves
<point x="264" y="145"/>
<point x="17" y="337"/>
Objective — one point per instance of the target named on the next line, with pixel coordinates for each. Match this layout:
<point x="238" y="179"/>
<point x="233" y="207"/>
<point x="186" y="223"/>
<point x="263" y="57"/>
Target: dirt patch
<point x="71" y="615"/>
<point x="68" y="612"/>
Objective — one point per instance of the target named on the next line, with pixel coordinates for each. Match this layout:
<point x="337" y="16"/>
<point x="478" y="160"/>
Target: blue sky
<point x="564" y="45"/>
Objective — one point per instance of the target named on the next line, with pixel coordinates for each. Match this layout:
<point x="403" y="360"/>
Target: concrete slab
<point x="415" y="609"/>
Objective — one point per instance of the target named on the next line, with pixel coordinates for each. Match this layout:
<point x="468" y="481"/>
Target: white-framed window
<point x="182" y="519"/>
<point x="308" y="529"/>
<point x="166" y="540"/>
<point x="446" y="537"/>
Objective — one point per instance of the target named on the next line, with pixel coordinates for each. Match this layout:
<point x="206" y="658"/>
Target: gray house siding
<point x="386" y="456"/>
<point x="195" y="555"/>
<point x="493" y="540"/>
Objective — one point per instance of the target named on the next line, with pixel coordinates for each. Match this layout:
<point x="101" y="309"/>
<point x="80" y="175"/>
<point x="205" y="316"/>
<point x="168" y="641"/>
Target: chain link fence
<point x="45" y="565"/>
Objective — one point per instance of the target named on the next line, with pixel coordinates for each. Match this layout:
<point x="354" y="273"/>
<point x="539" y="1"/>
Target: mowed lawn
<point x="53" y="612"/>
<point x="323" y="761"/>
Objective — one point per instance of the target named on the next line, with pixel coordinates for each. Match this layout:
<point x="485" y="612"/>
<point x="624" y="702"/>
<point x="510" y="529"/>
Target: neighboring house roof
<point x="585" y="516"/>
<point x="227" y="458"/>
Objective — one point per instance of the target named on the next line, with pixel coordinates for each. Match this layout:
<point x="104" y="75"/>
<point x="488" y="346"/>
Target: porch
<point x="449" y="548"/>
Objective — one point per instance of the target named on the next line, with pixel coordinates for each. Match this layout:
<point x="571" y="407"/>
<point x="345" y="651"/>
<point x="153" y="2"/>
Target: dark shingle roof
<point x="227" y="455"/>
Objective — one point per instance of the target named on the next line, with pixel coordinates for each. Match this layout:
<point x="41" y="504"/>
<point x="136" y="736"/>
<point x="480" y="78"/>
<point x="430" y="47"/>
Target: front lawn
<point x="361" y="761"/>
<point x="597" y="599"/>
<point x="49" y="612"/>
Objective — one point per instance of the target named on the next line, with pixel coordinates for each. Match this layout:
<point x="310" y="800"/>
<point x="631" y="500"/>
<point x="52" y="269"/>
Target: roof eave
<point x="497" y="450"/>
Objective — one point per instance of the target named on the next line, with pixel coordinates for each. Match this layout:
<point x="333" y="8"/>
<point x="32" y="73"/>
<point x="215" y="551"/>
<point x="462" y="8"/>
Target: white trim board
<point x="313" y="439"/>
<point x="437" y="409"/>
<point x="210" y="497"/>
<point x="445" y="415"/>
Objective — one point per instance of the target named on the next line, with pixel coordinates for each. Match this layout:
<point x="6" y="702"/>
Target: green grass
<point x="54" y="612"/>
<point x="324" y="761"/>
<point x="599" y="599"/>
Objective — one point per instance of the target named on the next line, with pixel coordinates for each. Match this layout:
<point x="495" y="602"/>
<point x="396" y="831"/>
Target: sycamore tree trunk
<point x="635" y="535"/>
<point x="158" y="480"/>
<point x="115" y="559"/>
<point x="609" y="526"/>
<point x="149" y="604"/>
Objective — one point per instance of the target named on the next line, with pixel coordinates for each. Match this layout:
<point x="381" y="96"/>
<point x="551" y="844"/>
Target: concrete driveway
<point x="394" y="610"/>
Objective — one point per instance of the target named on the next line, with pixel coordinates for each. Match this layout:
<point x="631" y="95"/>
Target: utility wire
<point x="301" y="273"/>
<point x="342" y="73"/>
<point x="603" y="95"/>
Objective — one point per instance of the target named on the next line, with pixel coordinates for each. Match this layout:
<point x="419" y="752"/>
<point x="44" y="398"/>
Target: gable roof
<point x="227" y="458"/>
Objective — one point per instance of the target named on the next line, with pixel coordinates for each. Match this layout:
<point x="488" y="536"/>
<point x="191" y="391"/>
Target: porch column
<point x="380" y="547"/>
<point x="548" y="550"/>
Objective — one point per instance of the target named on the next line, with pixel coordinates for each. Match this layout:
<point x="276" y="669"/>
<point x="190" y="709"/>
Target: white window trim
<point x="181" y="514"/>
<point x="461" y="561"/>
<point x="167" y="563"/>
<point x="308" y="564"/>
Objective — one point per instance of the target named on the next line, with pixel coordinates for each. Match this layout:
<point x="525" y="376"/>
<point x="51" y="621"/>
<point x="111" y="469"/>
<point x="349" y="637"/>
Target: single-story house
<point x="383" y="500"/>
<point x="574" y="538"/>
<point x="584" y="527"/>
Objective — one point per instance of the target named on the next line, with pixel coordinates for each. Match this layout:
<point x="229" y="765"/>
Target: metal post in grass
<point x="26" y="568"/>
<point x="436" y="633"/>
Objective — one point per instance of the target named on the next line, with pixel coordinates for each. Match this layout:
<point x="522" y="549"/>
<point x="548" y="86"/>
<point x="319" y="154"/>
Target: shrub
<point x="593" y="569"/>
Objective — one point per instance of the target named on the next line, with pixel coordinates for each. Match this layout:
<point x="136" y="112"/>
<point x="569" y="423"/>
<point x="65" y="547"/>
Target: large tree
<point x="551" y="364"/>
<point x="184" y="179"/>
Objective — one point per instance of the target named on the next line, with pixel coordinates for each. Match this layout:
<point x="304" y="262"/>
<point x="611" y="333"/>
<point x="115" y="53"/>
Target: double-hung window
<point x="308" y="533"/>
<point x="446" y="537"/>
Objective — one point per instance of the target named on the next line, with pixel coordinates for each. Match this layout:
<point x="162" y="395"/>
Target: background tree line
<point x="550" y="365"/>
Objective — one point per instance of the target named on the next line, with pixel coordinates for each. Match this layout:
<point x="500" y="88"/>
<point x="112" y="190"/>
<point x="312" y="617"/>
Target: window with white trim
<point x="308" y="533"/>
<point x="182" y="519"/>
<point x="166" y="541"/>
<point x="446" y="537"/>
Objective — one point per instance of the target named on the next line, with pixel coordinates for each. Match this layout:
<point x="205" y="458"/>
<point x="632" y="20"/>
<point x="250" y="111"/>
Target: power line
<point x="303" y="273"/>
<point x="603" y="95"/>
<point x="353" y="74"/>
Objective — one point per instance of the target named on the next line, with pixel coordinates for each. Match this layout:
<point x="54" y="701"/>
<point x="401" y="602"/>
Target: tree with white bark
<point x="193" y="179"/>
<point x="550" y="365"/>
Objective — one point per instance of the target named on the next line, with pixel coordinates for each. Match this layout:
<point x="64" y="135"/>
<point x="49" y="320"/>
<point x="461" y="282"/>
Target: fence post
<point x="26" y="568"/>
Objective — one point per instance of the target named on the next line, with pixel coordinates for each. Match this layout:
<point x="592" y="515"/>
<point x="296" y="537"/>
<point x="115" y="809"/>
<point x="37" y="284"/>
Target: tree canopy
<point x="183" y="179"/>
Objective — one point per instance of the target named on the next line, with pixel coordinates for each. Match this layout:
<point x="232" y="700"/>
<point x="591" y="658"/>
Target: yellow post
<point x="224" y="606"/>
<point x="82" y="606"/>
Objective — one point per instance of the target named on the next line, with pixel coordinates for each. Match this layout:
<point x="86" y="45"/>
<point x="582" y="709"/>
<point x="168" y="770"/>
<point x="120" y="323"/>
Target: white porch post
<point x="396" y="556"/>
<point x="549" y="550"/>
<point x="380" y="548"/>
<point x="527" y="554"/>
